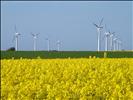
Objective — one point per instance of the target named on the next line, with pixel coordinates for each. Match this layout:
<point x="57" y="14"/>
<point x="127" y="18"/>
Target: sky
<point x="67" y="21"/>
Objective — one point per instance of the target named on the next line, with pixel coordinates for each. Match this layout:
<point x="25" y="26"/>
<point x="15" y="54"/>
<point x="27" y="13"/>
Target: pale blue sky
<point x="67" y="21"/>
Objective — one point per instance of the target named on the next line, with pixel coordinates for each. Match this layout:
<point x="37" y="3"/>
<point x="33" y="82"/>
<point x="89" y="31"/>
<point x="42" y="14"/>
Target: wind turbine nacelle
<point x="111" y="35"/>
<point x="115" y="39"/>
<point x="17" y="34"/>
<point x="35" y="37"/>
<point x="107" y="33"/>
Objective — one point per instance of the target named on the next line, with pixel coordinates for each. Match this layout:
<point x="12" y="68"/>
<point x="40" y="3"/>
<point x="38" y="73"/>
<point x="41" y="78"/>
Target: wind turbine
<point x="58" y="45"/>
<point x="16" y="38"/>
<point x="119" y="44"/>
<point x="48" y="43"/>
<point x="107" y="34"/>
<point x="115" y="43"/>
<point x="34" y="42"/>
<point x="99" y="28"/>
<point x="111" y="40"/>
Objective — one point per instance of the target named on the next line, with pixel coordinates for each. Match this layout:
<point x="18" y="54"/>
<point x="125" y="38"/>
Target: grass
<point x="65" y="54"/>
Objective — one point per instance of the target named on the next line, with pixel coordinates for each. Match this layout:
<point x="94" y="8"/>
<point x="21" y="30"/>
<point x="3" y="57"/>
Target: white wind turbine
<point x="34" y="40"/>
<point x="111" y="40"/>
<point x="99" y="28"/>
<point x="107" y="35"/>
<point x="58" y="45"/>
<point x="115" y="43"/>
<point x="16" y="39"/>
<point x="48" y="43"/>
<point x="119" y="44"/>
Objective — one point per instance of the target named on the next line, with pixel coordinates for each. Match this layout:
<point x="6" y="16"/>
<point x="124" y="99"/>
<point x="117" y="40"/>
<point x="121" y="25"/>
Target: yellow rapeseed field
<point x="67" y="79"/>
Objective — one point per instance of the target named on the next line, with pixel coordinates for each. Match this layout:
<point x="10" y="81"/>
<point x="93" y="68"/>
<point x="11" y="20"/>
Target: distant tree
<point x="53" y="50"/>
<point x="11" y="49"/>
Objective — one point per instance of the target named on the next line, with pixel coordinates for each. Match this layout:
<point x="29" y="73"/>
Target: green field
<point x="65" y="54"/>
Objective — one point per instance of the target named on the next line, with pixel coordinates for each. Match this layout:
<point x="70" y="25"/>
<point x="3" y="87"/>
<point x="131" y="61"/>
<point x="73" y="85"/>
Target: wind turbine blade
<point x="113" y="33"/>
<point x="105" y="28"/>
<point x="37" y="33"/>
<point x="32" y="34"/>
<point x="46" y="39"/>
<point x="101" y="27"/>
<point x="101" y="22"/>
<point x="95" y="25"/>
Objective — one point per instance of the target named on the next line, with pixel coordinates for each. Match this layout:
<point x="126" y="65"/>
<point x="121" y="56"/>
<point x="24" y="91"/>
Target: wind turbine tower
<point x="16" y="39"/>
<point x="115" y="43"/>
<point x="58" y="45"/>
<point x="119" y="44"/>
<point x="107" y="34"/>
<point x="48" y="44"/>
<point x="99" y="28"/>
<point x="111" y="40"/>
<point x="34" y="40"/>
<point x="106" y="40"/>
